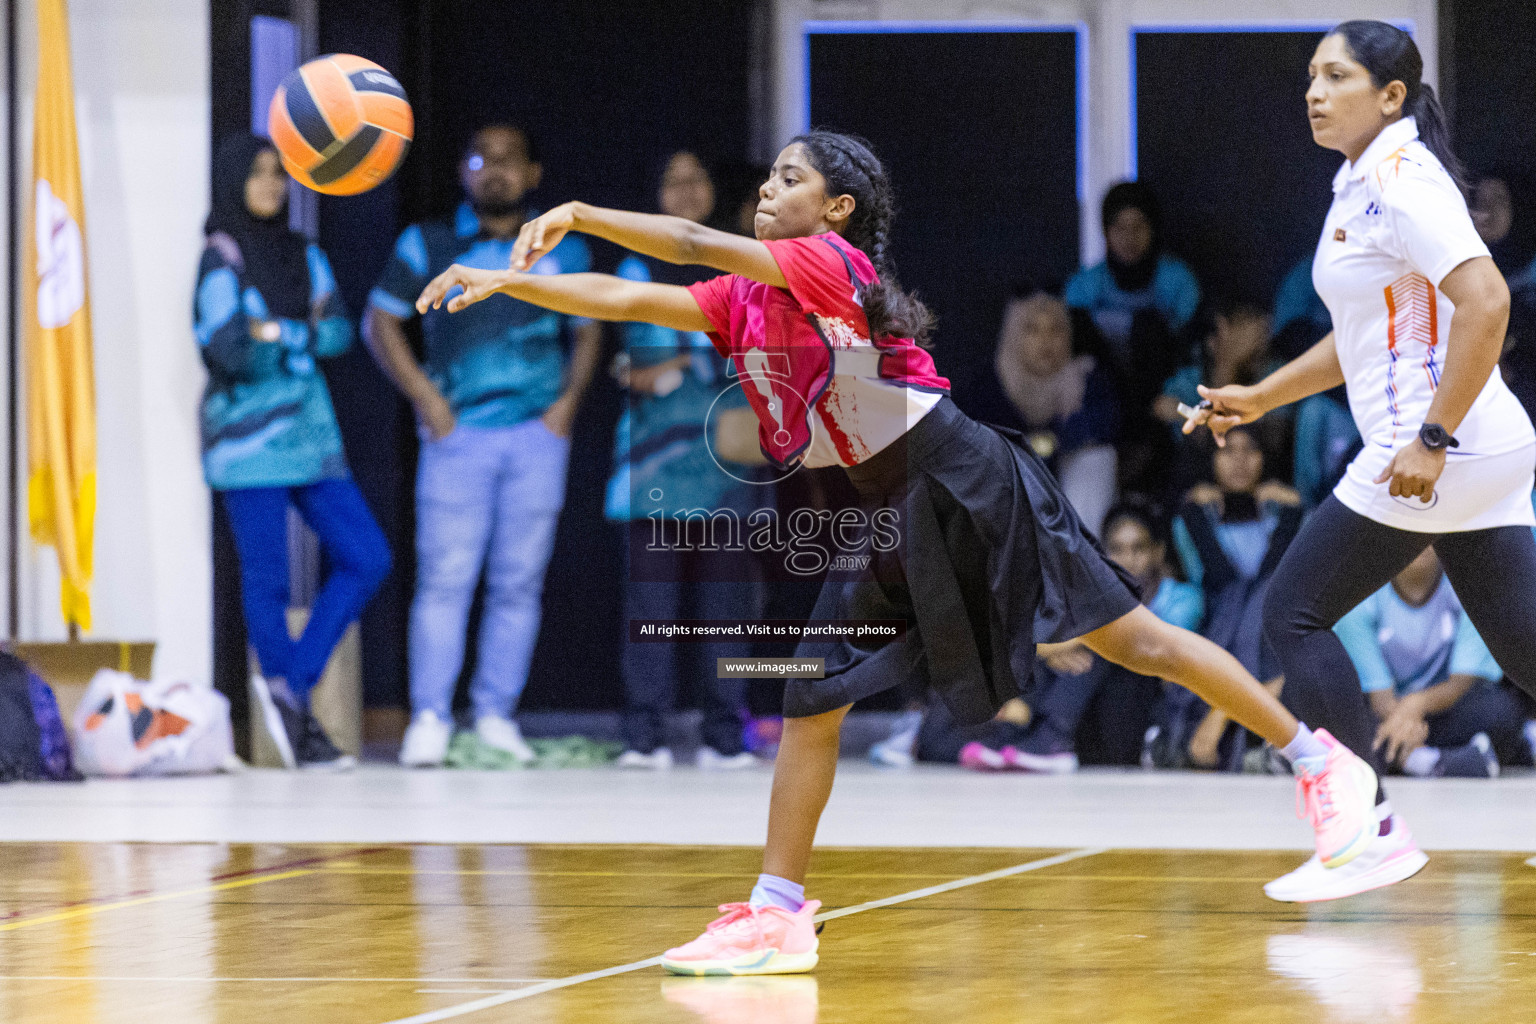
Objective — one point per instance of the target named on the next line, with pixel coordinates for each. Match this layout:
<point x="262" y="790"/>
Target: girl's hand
<point x="1231" y="406"/>
<point x="542" y="234"/>
<point x="1413" y="471"/>
<point x="476" y="285"/>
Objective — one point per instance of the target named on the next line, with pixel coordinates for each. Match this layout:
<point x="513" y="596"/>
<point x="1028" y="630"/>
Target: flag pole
<point x="12" y="330"/>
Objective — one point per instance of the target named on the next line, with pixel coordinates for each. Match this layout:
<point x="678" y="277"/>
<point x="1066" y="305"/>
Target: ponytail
<point x="1435" y="133"/>
<point x="851" y="168"/>
<point x="1390" y="55"/>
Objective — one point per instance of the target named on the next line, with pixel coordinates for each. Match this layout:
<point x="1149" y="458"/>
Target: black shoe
<point x="318" y="754"/>
<point x="1476" y="760"/>
<point x="282" y="717"/>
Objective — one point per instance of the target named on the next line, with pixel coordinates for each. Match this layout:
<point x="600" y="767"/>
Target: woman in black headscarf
<point x="1142" y="300"/>
<point x="266" y="309"/>
<point x="1136" y="273"/>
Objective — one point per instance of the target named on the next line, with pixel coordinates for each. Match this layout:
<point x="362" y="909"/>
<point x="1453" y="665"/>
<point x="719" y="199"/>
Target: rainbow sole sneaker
<point x="1340" y="802"/>
<point x="1387" y="860"/>
<point x="748" y="940"/>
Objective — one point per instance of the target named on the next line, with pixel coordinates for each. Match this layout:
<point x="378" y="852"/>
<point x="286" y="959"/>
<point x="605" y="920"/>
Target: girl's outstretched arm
<point x="599" y="296"/>
<point x="673" y="239"/>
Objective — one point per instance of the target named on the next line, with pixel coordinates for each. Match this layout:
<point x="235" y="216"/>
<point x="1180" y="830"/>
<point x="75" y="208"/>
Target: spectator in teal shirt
<point x="1136" y="274"/>
<point x="266" y="309"/>
<point x="496" y="398"/>
<point x="1430" y="680"/>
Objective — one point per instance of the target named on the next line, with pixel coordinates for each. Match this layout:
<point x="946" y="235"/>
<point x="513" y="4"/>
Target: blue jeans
<point x="487" y="499"/>
<point x="356" y="555"/>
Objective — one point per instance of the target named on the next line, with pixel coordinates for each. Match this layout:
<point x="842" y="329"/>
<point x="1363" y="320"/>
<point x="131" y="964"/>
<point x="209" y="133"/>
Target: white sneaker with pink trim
<point x="1387" y="859"/>
<point x="750" y="940"/>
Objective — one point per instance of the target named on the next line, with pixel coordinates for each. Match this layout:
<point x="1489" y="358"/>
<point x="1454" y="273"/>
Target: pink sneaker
<point x="750" y="940"/>
<point x="1340" y="802"/>
<point x="979" y="757"/>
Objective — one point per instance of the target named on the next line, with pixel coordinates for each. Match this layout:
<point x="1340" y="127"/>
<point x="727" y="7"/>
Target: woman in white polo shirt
<point x="1419" y="313"/>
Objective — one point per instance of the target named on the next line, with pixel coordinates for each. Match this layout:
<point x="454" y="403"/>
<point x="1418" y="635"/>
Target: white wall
<point x="141" y="89"/>
<point x="1108" y="24"/>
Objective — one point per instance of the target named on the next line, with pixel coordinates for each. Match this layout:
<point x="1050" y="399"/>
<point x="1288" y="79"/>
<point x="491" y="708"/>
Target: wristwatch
<point x="1436" y="438"/>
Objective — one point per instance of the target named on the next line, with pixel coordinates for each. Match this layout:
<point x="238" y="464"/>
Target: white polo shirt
<point x="1397" y="227"/>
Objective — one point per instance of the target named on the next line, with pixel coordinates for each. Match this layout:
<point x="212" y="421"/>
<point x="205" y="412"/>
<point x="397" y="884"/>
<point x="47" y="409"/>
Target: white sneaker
<point x="503" y="734"/>
<point x="659" y="759"/>
<point x="1387" y="859"/>
<point x="897" y="749"/>
<point x="284" y="724"/>
<point x="711" y="759"/>
<point x="426" y="741"/>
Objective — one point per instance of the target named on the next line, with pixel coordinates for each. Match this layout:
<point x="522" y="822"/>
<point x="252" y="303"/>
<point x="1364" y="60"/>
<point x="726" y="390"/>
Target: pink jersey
<point x="823" y="392"/>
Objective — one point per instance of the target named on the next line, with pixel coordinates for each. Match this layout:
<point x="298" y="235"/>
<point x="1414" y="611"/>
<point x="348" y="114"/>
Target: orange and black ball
<point x="341" y="124"/>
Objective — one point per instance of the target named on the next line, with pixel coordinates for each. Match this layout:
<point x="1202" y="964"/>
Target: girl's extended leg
<point x="1148" y="646"/>
<point x="802" y="782"/>
<point x="1338" y="788"/>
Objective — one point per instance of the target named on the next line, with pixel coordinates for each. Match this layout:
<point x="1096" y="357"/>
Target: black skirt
<point x="989" y="560"/>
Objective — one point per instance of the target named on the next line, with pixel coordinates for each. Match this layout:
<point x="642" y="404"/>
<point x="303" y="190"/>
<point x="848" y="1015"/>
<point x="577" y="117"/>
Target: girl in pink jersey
<point x="988" y="560"/>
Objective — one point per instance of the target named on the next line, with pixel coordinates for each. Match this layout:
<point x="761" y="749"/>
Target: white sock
<point x="1422" y="761"/>
<point x="1305" y="750"/>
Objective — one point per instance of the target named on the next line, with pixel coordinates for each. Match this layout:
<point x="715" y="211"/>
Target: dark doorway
<point x="979" y="131"/>
<point x="1222" y="136"/>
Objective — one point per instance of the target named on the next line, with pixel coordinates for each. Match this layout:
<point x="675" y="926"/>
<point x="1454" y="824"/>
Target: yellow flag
<point x="61" y="391"/>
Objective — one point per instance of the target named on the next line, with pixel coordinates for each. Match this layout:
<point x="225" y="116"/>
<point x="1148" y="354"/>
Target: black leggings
<point x="1340" y="558"/>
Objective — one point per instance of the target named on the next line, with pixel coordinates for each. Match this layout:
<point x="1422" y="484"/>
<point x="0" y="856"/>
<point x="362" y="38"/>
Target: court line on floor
<point x="221" y="981"/>
<point x="490" y="1002"/>
<point x="219" y="883"/>
<point x="102" y="908"/>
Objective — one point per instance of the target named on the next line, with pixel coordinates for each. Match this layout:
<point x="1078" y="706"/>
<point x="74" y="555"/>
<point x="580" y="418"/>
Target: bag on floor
<point x="33" y="744"/>
<point x="125" y="726"/>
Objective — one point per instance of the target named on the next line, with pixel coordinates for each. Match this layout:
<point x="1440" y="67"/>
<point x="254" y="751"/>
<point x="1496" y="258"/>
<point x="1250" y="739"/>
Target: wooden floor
<point x="213" y="934"/>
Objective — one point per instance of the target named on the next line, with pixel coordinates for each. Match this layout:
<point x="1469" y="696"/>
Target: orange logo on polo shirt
<point x="1338" y="234"/>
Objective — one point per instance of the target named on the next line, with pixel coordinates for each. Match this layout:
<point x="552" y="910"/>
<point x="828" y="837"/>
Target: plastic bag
<point x="125" y="726"/>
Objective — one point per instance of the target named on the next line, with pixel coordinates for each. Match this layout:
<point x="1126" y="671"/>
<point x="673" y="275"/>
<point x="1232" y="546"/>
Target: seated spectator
<point x="1430" y="680"/>
<point x="1493" y="206"/>
<point x="1301" y="319"/>
<point x="664" y="467"/>
<point x="1065" y="403"/>
<point x="1043" y="733"/>
<point x="1327" y="441"/>
<point x="1141" y="301"/>
<point x="1235" y="350"/>
<point x="941" y="740"/>
<point x="1116" y="720"/>
<point x="1513" y="254"/>
<point x="1136" y="274"/>
<point x="1517" y="363"/>
<point x="1230" y="537"/>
